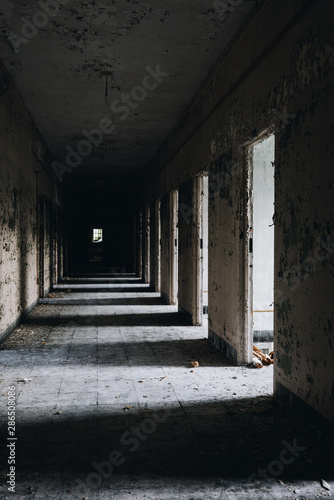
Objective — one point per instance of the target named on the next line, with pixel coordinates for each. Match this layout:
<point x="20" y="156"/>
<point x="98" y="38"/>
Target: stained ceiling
<point x="126" y="67"/>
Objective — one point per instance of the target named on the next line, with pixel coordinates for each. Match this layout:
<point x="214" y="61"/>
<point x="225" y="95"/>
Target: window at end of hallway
<point x="97" y="235"/>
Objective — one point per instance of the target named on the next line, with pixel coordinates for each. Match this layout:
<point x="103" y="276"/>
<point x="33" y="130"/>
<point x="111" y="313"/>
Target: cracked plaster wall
<point x="22" y="153"/>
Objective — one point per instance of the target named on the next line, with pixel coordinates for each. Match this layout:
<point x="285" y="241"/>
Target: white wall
<point x="263" y="156"/>
<point x="205" y="240"/>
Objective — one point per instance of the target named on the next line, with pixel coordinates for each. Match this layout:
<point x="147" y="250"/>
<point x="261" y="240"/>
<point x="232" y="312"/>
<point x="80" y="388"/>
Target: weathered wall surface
<point x="279" y="74"/>
<point x="22" y="154"/>
<point x="305" y="232"/>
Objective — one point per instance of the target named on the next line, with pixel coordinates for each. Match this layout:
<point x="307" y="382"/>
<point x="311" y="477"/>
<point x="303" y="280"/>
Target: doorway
<point x="173" y="231"/>
<point x="205" y="244"/>
<point x="146" y="245"/>
<point x="96" y="244"/>
<point x="157" y="246"/>
<point x="201" y="223"/>
<point x="261" y="244"/>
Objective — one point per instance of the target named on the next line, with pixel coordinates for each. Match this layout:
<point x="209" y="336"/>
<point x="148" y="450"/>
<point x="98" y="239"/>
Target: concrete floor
<point x="112" y="407"/>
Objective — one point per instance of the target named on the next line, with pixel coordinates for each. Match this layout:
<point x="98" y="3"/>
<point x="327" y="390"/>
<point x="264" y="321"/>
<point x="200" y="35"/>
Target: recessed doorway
<point x="261" y="244"/>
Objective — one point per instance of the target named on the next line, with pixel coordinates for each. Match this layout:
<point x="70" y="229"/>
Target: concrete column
<point x="139" y="247"/>
<point x="165" y="247"/>
<point x="189" y="264"/>
<point x="155" y="257"/>
<point x="146" y="245"/>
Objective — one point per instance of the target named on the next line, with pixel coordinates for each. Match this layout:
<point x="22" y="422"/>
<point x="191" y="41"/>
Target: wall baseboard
<point x="303" y="410"/>
<point x="186" y="314"/>
<point x="7" y="331"/>
<point x="223" y="346"/>
<point x="165" y="298"/>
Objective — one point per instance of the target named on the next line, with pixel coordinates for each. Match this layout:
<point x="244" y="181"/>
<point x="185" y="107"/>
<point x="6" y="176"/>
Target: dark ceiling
<point x="126" y="68"/>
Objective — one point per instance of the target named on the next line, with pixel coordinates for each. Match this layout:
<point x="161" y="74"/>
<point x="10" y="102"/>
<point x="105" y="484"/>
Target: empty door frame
<point x="140" y="245"/>
<point x="157" y="246"/>
<point x="247" y="261"/>
<point x="173" y="242"/>
<point x="199" y="248"/>
<point x="146" y="244"/>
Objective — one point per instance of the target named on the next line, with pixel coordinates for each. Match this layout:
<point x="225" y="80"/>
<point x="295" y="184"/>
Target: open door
<point x="261" y="244"/>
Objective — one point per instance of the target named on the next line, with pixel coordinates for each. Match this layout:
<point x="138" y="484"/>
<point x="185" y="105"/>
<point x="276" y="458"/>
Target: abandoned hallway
<point x="167" y="249"/>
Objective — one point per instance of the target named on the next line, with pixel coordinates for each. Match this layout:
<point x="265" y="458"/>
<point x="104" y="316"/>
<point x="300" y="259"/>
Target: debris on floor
<point x="127" y="408"/>
<point x="325" y="485"/>
<point x="260" y="359"/>
<point x="257" y="363"/>
<point x="194" y="363"/>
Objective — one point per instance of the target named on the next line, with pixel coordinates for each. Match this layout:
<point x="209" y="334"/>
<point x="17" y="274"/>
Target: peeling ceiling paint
<point x="77" y="62"/>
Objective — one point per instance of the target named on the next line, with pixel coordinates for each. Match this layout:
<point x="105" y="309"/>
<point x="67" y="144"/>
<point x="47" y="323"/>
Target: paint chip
<point x="325" y="485"/>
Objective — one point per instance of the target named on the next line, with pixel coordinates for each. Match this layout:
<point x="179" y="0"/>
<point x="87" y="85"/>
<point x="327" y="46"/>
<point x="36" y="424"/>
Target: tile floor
<point x="109" y="406"/>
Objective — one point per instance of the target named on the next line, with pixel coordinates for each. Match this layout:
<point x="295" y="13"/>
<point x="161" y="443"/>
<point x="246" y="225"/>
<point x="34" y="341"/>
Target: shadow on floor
<point x="154" y="319"/>
<point x="231" y="439"/>
<point x="177" y="353"/>
<point x="103" y="289"/>
<point x="103" y="281"/>
<point x="131" y="301"/>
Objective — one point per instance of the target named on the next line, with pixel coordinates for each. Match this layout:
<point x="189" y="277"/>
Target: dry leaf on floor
<point x="163" y="378"/>
<point x="140" y="381"/>
<point x="194" y="363"/>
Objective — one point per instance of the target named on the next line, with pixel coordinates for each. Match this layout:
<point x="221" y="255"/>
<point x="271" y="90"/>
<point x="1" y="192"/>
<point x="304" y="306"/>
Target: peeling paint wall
<point x="305" y="230"/>
<point x="280" y="76"/>
<point x="22" y="154"/>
